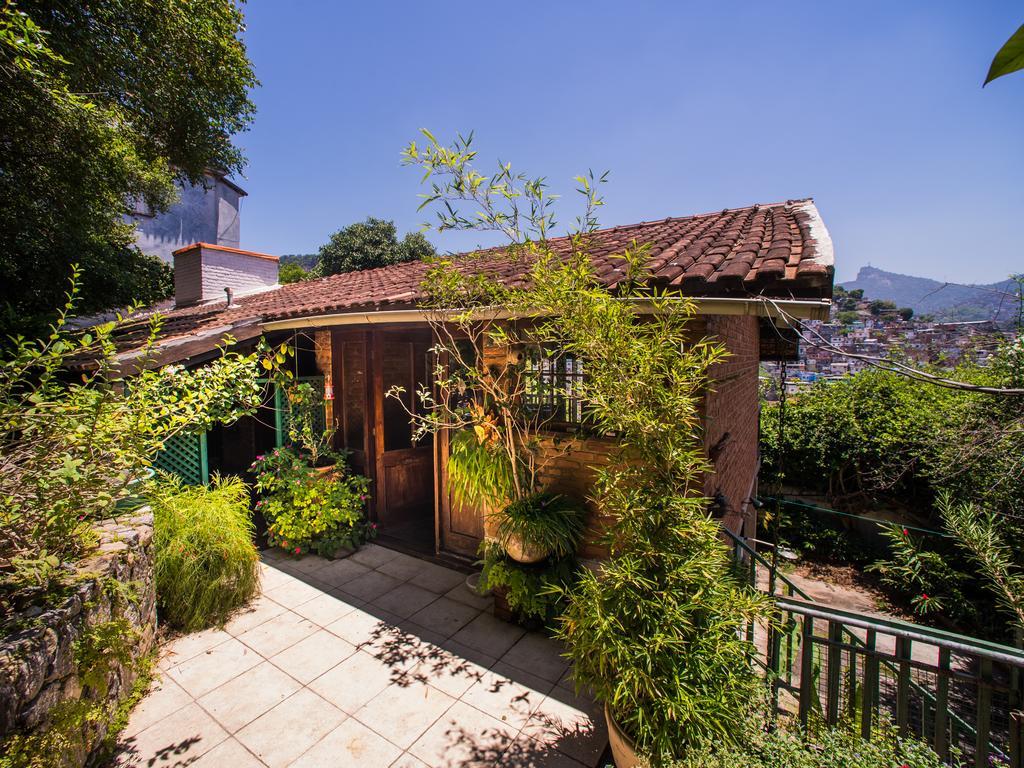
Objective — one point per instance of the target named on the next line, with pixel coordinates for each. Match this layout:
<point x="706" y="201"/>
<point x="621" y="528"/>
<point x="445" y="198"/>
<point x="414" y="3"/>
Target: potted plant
<point x="535" y="527"/>
<point x="656" y="631"/>
<point x="532" y="596"/>
<point x="308" y="510"/>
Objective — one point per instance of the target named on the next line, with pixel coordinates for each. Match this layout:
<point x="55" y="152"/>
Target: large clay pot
<point x="623" y="749"/>
<point x="521" y="552"/>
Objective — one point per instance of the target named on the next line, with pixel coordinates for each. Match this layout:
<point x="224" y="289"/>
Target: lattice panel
<point x="320" y="422"/>
<point x="185" y="456"/>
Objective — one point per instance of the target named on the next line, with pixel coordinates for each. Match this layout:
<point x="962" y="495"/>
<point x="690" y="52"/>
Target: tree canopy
<point x="369" y="244"/>
<point x="106" y="105"/>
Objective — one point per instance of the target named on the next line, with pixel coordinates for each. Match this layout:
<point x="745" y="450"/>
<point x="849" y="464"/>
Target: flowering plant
<point x="309" y="510"/>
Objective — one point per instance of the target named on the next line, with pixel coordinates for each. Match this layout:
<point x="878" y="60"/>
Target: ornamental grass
<point x="206" y="564"/>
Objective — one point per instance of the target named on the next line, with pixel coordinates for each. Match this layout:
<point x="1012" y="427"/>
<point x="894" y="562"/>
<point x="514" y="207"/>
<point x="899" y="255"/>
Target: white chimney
<point x="204" y="272"/>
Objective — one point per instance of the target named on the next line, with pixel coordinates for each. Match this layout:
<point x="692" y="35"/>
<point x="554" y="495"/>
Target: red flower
<point x="924" y="596"/>
<point x="298" y="550"/>
<point x="905" y="533"/>
<point x="285" y="543"/>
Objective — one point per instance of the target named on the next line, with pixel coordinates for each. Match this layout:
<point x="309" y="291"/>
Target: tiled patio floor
<point x="377" y="660"/>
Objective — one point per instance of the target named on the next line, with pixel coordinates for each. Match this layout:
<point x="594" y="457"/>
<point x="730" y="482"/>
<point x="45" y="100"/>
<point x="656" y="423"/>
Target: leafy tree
<point x="106" y="104"/>
<point x="906" y="313"/>
<point x="847" y="317"/>
<point x="290" y="272"/>
<point x="656" y="632"/>
<point x="369" y="244"/>
<point x="878" y="306"/>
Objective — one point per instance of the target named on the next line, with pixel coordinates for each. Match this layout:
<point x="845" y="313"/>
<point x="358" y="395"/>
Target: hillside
<point x="305" y="260"/>
<point x="946" y="301"/>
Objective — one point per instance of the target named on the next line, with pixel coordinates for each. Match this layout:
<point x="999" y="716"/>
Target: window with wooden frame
<point x="553" y="387"/>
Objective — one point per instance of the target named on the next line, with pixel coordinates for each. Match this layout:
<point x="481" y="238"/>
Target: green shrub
<point x="206" y="564"/>
<point x="838" y="747"/>
<point x="306" y="509"/>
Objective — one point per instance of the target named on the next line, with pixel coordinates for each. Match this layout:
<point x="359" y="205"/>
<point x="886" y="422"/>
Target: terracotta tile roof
<point x="780" y="250"/>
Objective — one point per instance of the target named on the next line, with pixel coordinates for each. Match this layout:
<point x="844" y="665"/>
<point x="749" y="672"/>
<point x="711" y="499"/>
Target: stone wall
<point x="38" y="664"/>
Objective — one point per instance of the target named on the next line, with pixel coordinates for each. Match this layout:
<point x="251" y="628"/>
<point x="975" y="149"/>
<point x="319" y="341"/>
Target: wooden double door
<point x="376" y="427"/>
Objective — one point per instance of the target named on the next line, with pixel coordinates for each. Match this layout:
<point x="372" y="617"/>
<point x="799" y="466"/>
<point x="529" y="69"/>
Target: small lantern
<point x="328" y="388"/>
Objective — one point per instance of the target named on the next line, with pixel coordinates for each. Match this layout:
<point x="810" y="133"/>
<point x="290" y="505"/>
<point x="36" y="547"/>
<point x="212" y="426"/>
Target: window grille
<point x="553" y="384"/>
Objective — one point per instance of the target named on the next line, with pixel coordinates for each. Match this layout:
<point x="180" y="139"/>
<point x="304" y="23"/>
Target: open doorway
<point x="376" y="429"/>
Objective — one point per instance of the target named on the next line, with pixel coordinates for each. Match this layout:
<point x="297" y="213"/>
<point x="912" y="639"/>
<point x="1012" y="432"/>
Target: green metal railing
<point x="948" y="689"/>
<point x="805" y="506"/>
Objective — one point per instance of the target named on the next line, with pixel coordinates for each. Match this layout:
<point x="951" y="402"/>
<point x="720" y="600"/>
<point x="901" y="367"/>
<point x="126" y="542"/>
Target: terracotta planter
<point x="521" y="552"/>
<point x="501" y="607"/>
<point x="623" y="749"/>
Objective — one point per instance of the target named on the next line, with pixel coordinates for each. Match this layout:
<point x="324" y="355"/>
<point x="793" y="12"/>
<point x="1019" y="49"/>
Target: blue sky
<point x="873" y="109"/>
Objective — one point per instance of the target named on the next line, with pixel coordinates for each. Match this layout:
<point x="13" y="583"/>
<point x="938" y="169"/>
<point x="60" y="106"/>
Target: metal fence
<point x="950" y="690"/>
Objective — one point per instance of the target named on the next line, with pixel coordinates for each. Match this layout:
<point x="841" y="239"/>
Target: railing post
<point x="982" y="728"/>
<point x="204" y="459"/>
<point x="774" y="663"/>
<point x="1016" y="716"/>
<point x="903" y="652"/>
<point x="941" y="736"/>
<point x="278" y="416"/>
<point x="833" y="676"/>
<point x="869" y="688"/>
<point x="806" y="670"/>
<point x="1016" y="719"/>
<point x="851" y="702"/>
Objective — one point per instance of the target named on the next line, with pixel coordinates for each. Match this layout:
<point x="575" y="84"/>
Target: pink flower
<point x="374" y="526"/>
<point x="364" y="497"/>
<point x="298" y="550"/>
<point x="260" y="457"/>
<point x="905" y="532"/>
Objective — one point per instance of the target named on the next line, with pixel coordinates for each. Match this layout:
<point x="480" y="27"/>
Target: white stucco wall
<point x="206" y="213"/>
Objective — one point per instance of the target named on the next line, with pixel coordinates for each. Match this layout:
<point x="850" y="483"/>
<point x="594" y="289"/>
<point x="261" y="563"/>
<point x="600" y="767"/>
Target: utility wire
<point x="886" y="364"/>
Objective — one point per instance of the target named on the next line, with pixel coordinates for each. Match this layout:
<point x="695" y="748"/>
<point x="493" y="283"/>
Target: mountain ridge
<point x="945" y="301"/>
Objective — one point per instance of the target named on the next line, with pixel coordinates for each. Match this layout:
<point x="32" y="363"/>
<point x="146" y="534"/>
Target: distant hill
<point x="946" y="301"/>
<point x="305" y="260"/>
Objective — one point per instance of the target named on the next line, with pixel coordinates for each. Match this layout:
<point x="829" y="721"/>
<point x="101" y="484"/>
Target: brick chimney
<point x="202" y="272"/>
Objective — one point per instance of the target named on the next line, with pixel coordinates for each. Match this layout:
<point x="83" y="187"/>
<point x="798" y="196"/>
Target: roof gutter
<point x="805" y="309"/>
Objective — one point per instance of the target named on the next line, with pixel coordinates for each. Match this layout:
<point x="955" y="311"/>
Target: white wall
<point x="206" y="213"/>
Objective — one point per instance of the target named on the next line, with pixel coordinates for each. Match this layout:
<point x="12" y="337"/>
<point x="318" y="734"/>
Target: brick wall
<point x="322" y="351"/>
<point x="202" y="274"/>
<point x="240" y="272"/>
<point x="731" y="418"/>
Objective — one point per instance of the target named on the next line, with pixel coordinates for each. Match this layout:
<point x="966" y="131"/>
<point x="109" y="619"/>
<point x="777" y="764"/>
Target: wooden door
<point x="462" y="522"/>
<point x="404" y="467"/>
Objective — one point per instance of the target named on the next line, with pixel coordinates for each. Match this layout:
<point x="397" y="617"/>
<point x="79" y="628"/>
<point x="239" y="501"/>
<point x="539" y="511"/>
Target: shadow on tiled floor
<point x="380" y="659"/>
